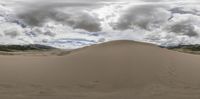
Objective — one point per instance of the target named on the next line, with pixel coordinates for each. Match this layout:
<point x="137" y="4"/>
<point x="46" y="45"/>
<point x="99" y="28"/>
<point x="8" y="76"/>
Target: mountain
<point x="193" y="49"/>
<point x="32" y="47"/>
<point x="186" y="47"/>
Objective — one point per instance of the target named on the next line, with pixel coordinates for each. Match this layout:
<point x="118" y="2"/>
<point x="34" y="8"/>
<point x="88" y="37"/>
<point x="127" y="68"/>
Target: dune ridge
<point x="112" y="70"/>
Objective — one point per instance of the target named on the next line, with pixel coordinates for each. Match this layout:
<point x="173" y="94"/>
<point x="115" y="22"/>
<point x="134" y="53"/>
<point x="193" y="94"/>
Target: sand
<point x="113" y="70"/>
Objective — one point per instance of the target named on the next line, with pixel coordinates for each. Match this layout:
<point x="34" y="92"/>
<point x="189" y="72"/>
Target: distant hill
<point x="193" y="49"/>
<point x="186" y="47"/>
<point x="31" y="47"/>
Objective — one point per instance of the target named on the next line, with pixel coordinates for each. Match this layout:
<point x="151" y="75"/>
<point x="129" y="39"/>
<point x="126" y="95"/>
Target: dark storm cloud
<point x="66" y="13"/>
<point x="143" y="16"/>
<point x="185" y="27"/>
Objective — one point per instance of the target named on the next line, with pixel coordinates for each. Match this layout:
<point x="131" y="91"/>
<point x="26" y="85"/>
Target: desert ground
<point x="112" y="70"/>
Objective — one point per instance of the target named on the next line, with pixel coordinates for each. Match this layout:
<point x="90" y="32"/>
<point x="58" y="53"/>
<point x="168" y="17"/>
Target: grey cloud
<point x="180" y="10"/>
<point x="11" y="33"/>
<point x="43" y="32"/>
<point x="49" y="33"/>
<point x="185" y="27"/>
<point x="73" y="15"/>
<point x="79" y="20"/>
<point x="84" y="21"/>
<point x="35" y="17"/>
<point x="143" y="16"/>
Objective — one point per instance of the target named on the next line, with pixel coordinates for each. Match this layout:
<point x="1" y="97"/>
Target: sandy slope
<point x="114" y="70"/>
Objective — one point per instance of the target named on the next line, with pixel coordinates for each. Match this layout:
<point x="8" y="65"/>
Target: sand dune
<point x="113" y="70"/>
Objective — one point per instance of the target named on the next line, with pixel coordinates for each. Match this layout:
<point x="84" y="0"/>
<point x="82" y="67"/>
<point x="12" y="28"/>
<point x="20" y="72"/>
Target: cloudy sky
<point x="76" y="23"/>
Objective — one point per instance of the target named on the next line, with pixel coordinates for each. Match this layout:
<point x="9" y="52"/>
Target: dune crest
<point x="113" y="70"/>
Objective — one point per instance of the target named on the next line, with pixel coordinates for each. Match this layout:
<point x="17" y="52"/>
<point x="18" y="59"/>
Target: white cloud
<point x="164" y="22"/>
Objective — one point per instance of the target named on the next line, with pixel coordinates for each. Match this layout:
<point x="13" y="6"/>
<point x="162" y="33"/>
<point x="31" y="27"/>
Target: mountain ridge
<point x="28" y="47"/>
